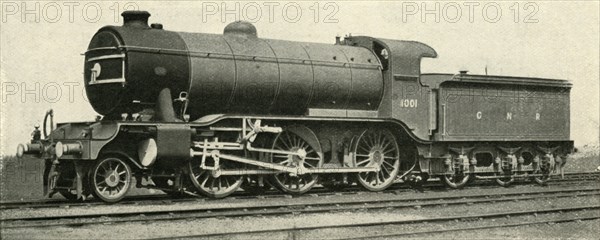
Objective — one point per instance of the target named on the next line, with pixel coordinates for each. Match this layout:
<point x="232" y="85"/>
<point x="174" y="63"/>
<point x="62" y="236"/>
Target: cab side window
<point x="383" y="55"/>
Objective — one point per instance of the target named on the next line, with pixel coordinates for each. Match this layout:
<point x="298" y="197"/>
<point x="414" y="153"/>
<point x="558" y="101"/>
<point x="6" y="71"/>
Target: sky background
<point x="41" y="66"/>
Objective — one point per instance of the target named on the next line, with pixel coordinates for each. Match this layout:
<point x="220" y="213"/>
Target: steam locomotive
<point x="213" y="113"/>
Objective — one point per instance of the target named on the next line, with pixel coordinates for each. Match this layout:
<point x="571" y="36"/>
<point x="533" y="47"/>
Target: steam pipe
<point x="164" y="104"/>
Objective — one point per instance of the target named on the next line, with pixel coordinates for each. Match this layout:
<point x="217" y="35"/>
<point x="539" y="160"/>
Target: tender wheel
<point x="212" y="186"/>
<point x="111" y="179"/>
<point x="504" y="180"/>
<point x="377" y="148"/>
<point x="543" y="169"/>
<point x="456" y="180"/>
<point x="293" y="139"/>
<point x="542" y="180"/>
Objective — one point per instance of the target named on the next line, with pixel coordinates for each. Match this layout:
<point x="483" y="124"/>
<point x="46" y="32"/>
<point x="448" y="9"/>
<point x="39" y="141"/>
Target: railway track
<point x="289" y="207"/>
<point x="317" y="191"/>
<point x="492" y="226"/>
<point x="294" y="231"/>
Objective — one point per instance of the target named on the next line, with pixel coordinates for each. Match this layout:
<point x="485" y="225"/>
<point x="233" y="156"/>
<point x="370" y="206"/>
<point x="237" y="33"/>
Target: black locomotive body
<point x="214" y="113"/>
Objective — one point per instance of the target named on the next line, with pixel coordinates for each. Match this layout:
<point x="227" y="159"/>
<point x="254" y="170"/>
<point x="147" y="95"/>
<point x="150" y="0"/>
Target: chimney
<point x="137" y="19"/>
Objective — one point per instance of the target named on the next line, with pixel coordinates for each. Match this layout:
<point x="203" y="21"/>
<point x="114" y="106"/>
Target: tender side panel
<point x="503" y="112"/>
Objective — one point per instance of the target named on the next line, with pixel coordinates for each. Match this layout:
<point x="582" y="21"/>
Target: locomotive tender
<point x="211" y="113"/>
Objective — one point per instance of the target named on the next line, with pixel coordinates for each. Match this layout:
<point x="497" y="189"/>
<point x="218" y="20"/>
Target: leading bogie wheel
<point x="110" y="179"/>
<point x="293" y="139"/>
<point x="68" y="194"/>
<point x="377" y="148"/>
<point x="68" y="178"/>
<point x="213" y="186"/>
